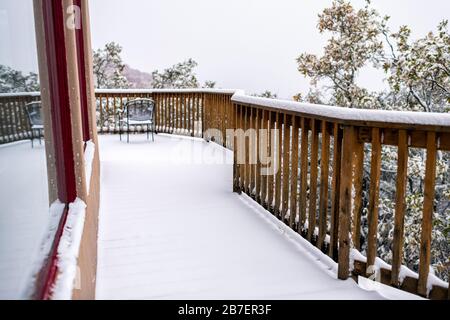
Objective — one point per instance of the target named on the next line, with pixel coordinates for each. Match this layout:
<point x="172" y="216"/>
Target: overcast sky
<point x="247" y="44"/>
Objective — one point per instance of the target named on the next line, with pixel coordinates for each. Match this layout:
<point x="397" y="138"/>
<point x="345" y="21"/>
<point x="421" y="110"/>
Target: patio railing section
<point x="314" y="179"/>
<point x="14" y="123"/>
<point x="185" y="112"/>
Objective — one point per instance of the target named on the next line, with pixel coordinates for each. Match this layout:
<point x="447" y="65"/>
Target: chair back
<point x="34" y="113"/>
<point x="140" y="109"/>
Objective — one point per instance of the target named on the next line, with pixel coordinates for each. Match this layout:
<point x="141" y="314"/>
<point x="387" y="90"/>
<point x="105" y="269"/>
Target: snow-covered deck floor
<point x="170" y="229"/>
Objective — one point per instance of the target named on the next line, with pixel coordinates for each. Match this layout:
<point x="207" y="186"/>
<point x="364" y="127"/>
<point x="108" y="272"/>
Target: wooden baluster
<point x="286" y="156"/>
<point x="169" y="112"/>
<point x="10" y="121"/>
<point x="200" y="110"/>
<point x="158" y="111"/>
<point x="23" y="121"/>
<point x="14" y="121"/>
<point x="252" y="145"/>
<point x="258" y="162"/>
<point x="278" y="175"/>
<point x="247" y="149"/>
<point x="271" y="146"/>
<point x="400" y="205"/>
<point x="345" y="202"/>
<point x="176" y="113"/>
<point x="180" y="113"/>
<point x="184" y="112"/>
<point x="163" y="112"/>
<point x="335" y="192"/>
<point x="236" y="165"/>
<point x="372" y="215"/>
<point x="303" y="173"/>
<point x="205" y="107"/>
<point x="115" y="113"/>
<point x="264" y="145"/>
<point x="241" y="145"/>
<point x="190" y="115"/>
<point x="294" y="172"/>
<point x="100" y="104"/>
<point x="107" y="116"/>
<point x="2" y="120"/>
<point x="427" y="218"/>
<point x="193" y="115"/>
<point x="313" y="180"/>
<point x="324" y="172"/>
<point x="358" y="183"/>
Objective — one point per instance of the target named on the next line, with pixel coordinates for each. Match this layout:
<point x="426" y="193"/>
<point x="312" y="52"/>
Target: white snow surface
<point x="68" y="250"/>
<point x="89" y="153"/>
<point x="170" y="227"/>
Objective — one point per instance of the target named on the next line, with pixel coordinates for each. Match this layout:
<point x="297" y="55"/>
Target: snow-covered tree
<point x="108" y="67"/>
<point x="267" y="94"/>
<point x="355" y="42"/>
<point x="420" y="68"/>
<point x="209" y="84"/>
<point x="418" y="74"/>
<point x="15" y="81"/>
<point x="179" y="76"/>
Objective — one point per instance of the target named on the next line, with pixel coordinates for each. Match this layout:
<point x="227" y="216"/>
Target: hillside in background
<point x="137" y="79"/>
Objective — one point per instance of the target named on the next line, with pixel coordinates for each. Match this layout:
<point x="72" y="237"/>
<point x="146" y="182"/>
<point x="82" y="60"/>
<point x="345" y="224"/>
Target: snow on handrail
<point x="348" y="114"/>
<point x="20" y="94"/>
<point x="149" y="91"/>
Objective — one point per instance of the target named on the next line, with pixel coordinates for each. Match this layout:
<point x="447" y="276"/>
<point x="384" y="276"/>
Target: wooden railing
<point x="316" y="186"/>
<point x="328" y="213"/>
<point x="184" y="112"/>
<point x="14" y="123"/>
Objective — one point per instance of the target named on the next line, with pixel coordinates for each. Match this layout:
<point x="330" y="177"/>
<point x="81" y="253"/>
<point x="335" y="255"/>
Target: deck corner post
<point x="345" y="203"/>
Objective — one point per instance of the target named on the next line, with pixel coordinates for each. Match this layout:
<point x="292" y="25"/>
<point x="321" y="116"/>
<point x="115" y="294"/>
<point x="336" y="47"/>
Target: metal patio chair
<point x="138" y="112"/>
<point x="34" y="114"/>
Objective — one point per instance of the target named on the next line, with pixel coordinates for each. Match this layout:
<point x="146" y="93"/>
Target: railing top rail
<point x="200" y="90"/>
<point x="359" y="117"/>
<point x="20" y="94"/>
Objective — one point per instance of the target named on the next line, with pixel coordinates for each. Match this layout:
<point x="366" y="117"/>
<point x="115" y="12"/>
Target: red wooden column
<point x="59" y="102"/>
